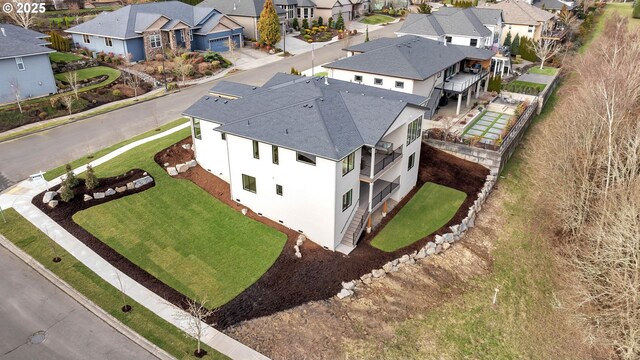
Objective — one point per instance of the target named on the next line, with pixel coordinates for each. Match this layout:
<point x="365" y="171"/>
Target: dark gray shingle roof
<point x="16" y="41"/>
<point x="552" y="4"/>
<point x="447" y="21"/>
<point x="324" y="117"/>
<point x="231" y="88"/>
<point x="408" y="57"/>
<point x="251" y="8"/>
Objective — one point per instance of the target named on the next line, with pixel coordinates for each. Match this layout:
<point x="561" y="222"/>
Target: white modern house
<point x="317" y="155"/>
<point x="416" y="65"/>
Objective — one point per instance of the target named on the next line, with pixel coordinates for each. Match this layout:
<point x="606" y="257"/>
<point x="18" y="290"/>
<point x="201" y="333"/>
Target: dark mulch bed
<point x="318" y="275"/>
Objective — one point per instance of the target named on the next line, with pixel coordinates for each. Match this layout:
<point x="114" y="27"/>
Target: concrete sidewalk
<point x="19" y="197"/>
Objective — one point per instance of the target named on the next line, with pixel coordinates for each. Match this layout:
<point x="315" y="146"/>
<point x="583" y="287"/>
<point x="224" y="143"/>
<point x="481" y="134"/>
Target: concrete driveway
<point x="31" y="304"/>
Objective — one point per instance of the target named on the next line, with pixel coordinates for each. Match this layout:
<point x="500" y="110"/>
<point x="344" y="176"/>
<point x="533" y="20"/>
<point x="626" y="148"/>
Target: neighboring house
<point x="24" y="64"/>
<point x="470" y="27"/>
<point x="554" y="6"/>
<point x="141" y="31"/>
<point x="416" y="65"/>
<point x="523" y="19"/>
<point x="244" y="12"/>
<point x="333" y="8"/>
<point x="300" y="151"/>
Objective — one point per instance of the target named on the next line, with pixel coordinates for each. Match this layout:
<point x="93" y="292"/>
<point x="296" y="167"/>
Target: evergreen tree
<point x="320" y="21"/>
<point x="66" y="194"/>
<point x="92" y="181"/>
<point x="70" y="178"/>
<point x="475" y="3"/>
<point x="305" y="24"/>
<point x="507" y="39"/>
<point x="330" y="23"/>
<point x="340" y="22"/>
<point x="366" y="34"/>
<point x="515" y="45"/>
<point x="269" y="24"/>
<point x="424" y="7"/>
<point x="295" y="24"/>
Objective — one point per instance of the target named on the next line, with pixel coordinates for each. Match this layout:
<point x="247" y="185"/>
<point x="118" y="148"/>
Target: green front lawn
<point x="520" y="86"/>
<point x="141" y="320"/>
<point x="377" y="19"/>
<point x="320" y="74"/>
<point x="88" y="73"/>
<point x="429" y="209"/>
<point x="181" y="234"/>
<point x="551" y="71"/>
<point x="63" y="57"/>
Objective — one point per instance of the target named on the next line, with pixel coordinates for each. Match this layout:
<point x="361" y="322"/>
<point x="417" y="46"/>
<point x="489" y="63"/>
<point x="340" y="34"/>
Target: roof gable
<point x="16" y="41"/>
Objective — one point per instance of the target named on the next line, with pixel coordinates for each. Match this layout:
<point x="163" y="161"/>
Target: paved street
<point x="30" y="304"/>
<point x="40" y="152"/>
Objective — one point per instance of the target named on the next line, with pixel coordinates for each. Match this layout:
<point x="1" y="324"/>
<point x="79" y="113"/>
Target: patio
<point x="488" y="127"/>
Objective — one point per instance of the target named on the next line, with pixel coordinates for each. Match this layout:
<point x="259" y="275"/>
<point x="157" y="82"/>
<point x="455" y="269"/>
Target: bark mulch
<point x="318" y="275"/>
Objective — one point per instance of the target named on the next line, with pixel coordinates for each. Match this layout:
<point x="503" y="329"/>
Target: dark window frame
<point x="197" y="129"/>
<point x="256" y="149"/>
<point x="275" y="156"/>
<point x="247" y="182"/>
<point x="378" y="81"/>
<point x="348" y="163"/>
<point x="412" y="161"/>
<point x="300" y="157"/>
<point x="347" y="200"/>
<point x="279" y="191"/>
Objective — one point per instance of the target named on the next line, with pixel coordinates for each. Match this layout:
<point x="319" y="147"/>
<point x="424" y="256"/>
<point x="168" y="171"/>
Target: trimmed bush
<point x="66" y="194"/>
<point x="92" y="181"/>
<point x="116" y="93"/>
<point x="70" y="178"/>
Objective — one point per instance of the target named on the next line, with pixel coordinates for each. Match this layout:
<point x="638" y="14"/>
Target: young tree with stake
<point x="195" y="315"/>
<point x="72" y="79"/>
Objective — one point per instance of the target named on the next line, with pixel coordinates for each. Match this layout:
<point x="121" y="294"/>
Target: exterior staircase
<point x="355" y="228"/>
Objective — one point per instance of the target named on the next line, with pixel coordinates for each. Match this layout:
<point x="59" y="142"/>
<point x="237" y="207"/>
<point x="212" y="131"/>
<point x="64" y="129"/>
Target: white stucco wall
<point x="388" y="82"/>
<point x="343" y="184"/>
<point x="211" y="150"/>
<point x="522" y="30"/>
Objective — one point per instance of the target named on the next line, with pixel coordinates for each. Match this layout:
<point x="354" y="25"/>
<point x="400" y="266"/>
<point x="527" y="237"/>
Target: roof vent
<point x="362" y="94"/>
<point x="248" y="122"/>
<point x="308" y="81"/>
<point x="305" y="105"/>
<point x="286" y="131"/>
<point x="254" y="88"/>
<point x="310" y="106"/>
<point x="347" y="91"/>
<point x="206" y="98"/>
<point x="216" y="100"/>
<point x="321" y="99"/>
<point x="226" y="101"/>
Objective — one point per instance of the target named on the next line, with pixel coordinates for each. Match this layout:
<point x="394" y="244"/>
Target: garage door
<point x="222" y="44"/>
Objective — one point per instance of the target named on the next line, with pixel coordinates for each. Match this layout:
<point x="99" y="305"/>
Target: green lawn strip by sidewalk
<point x="429" y="209"/>
<point x="323" y="73"/>
<point x="141" y="320"/>
<point x="88" y="73"/>
<point x="52" y="174"/>
<point x="545" y="70"/>
<point x="181" y="234"/>
<point x="63" y="56"/>
<point x="377" y="19"/>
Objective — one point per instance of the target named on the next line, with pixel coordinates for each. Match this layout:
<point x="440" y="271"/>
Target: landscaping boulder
<point x="298" y="254"/>
<point x="431" y="251"/>
<point x="171" y="170"/>
<point x="244" y="211"/>
<point x="439" y="239"/>
<point x="110" y="192"/>
<point x="166" y="164"/>
<point x="98" y="195"/>
<point x="130" y="186"/>
<point x="448" y="237"/>
<point x="48" y="196"/>
<point x="53" y="203"/>
<point x="350" y="285"/>
<point x="182" y="168"/>
<point x="421" y="254"/>
<point x="366" y="278"/>
<point x="344" y="293"/>
<point x="192" y="163"/>
<point x="121" y="189"/>
<point x="404" y="259"/>
<point x="387" y="267"/>
<point x="87" y="197"/>
<point x="186" y="146"/>
<point x="438" y="249"/>
<point x="142" y="181"/>
<point x="377" y="273"/>
<point x="445" y="246"/>
<point x="395" y="262"/>
<point x="411" y="261"/>
<point x="430" y="244"/>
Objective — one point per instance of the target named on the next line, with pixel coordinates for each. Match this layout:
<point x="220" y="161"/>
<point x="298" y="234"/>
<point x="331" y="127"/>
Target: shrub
<point x="392" y="12"/>
<point x="215" y="64"/>
<point x="172" y="86"/>
<point x="107" y="59"/>
<point x="70" y="179"/>
<point x="42" y="115"/>
<point x="208" y="73"/>
<point x="92" y="181"/>
<point x="295" y="25"/>
<point x="310" y="41"/>
<point x="320" y="21"/>
<point x="159" y="57"/>
<point x="330" y="23"/>
<point x="160" y="69"/>
<point x="202" y="67"/>
<point x="116" y="93"/>
<point x="307" y="37"/>
<point x="189" y="70"/>
<point x="305" y="24"/>
<point x="149" y="70"/>
<point x="66" y="194"/>
<point x="636" y="10"/>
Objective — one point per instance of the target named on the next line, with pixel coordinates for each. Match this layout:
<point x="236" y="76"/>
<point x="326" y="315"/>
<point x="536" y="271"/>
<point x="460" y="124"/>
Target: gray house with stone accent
<point x="139" y="32"/>
<point x="25" y="69"/>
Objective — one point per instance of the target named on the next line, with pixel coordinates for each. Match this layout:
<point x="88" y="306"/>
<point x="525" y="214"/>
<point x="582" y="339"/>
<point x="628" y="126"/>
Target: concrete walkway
<point x="537" y="78"/>
<point x="19" y="197"/>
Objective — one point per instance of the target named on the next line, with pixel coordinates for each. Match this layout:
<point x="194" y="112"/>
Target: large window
<point x="86" y="39"/>
<point x="249" y="183"/>
<point x="306" y="158"/>
<point x="412" y="161"/>
<point x="413" y="130"/>
<point x="348" y="163"/>
<point x="197" y="132"/>
<point x="377" y="81"/>
<point x="274" y="154"/>
<point x="346" y="200"/>
<point x="108" y="42"/>
<point x="20" y="63"/>
<point x="473" y="42"/>
<point x="154" y="41"/>
<point x="256" y="150"/>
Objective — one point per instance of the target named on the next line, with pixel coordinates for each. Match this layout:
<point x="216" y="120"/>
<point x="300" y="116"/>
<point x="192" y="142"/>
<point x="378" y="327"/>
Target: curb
<point x="85" y="302"/>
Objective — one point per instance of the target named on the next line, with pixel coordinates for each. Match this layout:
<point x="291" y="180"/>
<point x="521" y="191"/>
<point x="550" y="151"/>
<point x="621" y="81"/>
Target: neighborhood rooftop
<point x="319" y="116"/>
<point x="16" y="41"/>
<point x="468" y="22"/>
<point x="519" y="12"/>
<point x="409" y="57"/>
<point x="130" y="21"/>
<point x="251" y="8"/>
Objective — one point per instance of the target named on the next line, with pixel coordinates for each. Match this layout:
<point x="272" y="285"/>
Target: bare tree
<point x="125" y="307"/>
<point x="24" y="12"/>
<point x="545" y="48"/>
<point x="15" y="89"/>
<point x="72" y="79"/>
<point x="133" y="81"/>
<point x="232" y="47"/>
<point x="196" y="314"/>
<point x="68" y="100"/>
<point x="182" y="68"/>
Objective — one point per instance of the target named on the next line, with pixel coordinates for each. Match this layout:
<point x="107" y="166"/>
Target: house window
<point x="311" y="10"/>
<point x="357" y="78"/>
<point x="306" y="158"/>
<point x="400" y="84"/>
<point x="274" y="154"/>
<point x="190" y="34"/>
<point x="223" y="136"/>
<point x="346" y="200"/>
<point x="278" y="189"/>
<point x="412" y="161"/>
<point x="474" y="42"/>
<point x="299" y="12"/>
<point x="348" y="163"/>
<point x="197" y="133"/>
<point x="20" y="63"/>
<point x="256" y="150"/>
<point x="249" y="183"/>
<point x="413" y="130"/>
<point x="86" y="39"/>
<point x="377" y="81"/>
<point x="108" y="42"/>
<point x="448" y="39"/>
<point x="154" y="41"/>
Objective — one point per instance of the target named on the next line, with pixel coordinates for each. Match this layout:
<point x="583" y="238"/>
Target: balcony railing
<point x="382" y="162"/>
<point x="384" y="192"/>
<point x="462" y="81"/>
